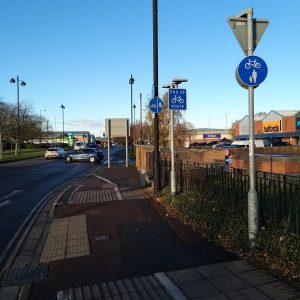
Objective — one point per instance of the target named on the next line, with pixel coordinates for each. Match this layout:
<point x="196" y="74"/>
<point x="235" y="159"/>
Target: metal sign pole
<point x="108" y="145"/>
<point x="173" y="177"/>
<point x="155" y="85"/>
<point x="126" y="143"/>
<point x="252" y="194"/>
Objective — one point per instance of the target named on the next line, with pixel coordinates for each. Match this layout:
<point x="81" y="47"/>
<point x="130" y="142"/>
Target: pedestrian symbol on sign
<point x="156" y="105"/>
<point x="252" y="71"/>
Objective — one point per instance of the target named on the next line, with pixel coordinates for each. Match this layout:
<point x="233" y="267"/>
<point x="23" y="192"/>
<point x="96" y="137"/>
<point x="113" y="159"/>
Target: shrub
<point x="226" y="224"/>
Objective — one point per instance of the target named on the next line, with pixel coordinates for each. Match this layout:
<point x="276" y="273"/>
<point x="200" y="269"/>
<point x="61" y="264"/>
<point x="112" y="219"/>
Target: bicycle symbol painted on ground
<point x="177" y="99"/>
<point x="252" y="63"/>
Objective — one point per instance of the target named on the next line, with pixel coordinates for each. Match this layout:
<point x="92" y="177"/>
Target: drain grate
<point x="102" y="237"/>
<point x="25" y="275"/>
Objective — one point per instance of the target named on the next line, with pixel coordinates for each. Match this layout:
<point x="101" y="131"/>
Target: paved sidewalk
<point x="101" y="238"/>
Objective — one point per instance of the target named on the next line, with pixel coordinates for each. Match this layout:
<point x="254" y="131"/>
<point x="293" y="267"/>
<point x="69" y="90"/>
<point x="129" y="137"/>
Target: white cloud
<point x="95" y="127"/>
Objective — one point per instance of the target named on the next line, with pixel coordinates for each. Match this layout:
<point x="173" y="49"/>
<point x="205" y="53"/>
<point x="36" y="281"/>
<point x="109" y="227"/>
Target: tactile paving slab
<point x="25" y="275"/>
<point x="67" y="238"/>
<point x="93" y="196"/>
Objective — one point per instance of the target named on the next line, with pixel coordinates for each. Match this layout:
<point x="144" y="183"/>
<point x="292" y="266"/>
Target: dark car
<point x="280" y="144"/>
<point x="212" y="143"/>
<point x="87" y="154"/>
<point x="221" y="145"/>
<point x="197" y="145"/>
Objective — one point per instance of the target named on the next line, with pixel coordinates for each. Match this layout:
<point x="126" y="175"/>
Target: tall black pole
<point x="63" y="129"/>
<point x="131" y="82"/>
<point x="141" y="119"/>
<point x="155" y="86"/>
<point x="18" y="117"/>
<point x="134" y="130"/>
<point x="18" y="138"/>
<point x="131" y="133"/>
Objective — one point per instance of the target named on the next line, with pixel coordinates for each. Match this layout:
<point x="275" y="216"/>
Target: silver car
<point x="55" y="152"/>
<point x="85" y="155"/>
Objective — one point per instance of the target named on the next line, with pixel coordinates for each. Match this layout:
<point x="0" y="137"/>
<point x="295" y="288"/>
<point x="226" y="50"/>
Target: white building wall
<point x="244" y="126"/>
<point x="272" y="116"/>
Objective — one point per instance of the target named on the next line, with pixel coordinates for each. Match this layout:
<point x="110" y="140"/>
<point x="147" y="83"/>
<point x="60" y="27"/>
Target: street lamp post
<point x="141" y="119"/>
<point x="134" y="130"/>
<point x="63" y="116"/>
<point x="175" y="83"/>
<point x="41" y="125"/>
<point x="22" y="83"/>
<point x="155" y="94"/>
<point x="131" y="82"/>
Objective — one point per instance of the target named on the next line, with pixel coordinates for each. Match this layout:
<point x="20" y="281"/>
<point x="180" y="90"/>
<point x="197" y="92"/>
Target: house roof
<point x="287" y="113"/>
<point x="206" y="130"/>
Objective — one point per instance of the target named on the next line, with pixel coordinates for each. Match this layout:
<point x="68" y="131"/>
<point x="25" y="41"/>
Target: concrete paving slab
<point x="36" y="232"/>
<point x="22" y="261"/>
<point x="67" y="239"/>
<point x="10" y="292"/>
<point x="183" y="276"/>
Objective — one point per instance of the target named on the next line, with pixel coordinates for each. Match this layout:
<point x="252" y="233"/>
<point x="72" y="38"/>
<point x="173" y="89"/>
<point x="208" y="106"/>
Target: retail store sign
<point x="211" y="135"/>
<point x="297" y="123"/>
<point x="272" y="126"/>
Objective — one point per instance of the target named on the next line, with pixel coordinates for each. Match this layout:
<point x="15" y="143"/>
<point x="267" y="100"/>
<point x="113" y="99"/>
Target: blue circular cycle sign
<point x="252" y="70"/>
<point x="156" y="105"/>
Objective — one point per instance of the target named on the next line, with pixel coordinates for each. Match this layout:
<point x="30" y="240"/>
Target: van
<point x="80" y="145"/>
<point x="245" y="143"/>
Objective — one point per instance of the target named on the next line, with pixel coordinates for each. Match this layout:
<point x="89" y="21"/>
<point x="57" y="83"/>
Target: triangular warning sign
<point x="239" y="27"/>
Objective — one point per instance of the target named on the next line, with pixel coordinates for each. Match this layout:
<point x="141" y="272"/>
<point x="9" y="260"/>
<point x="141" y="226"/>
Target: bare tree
<point x="181" y="126"/>
<point x="10" y="131"/>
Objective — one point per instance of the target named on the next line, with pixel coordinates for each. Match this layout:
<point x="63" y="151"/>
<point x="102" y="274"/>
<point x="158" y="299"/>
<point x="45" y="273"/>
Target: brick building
<point x="206" y="135"/>
<point x="280" y="125"/>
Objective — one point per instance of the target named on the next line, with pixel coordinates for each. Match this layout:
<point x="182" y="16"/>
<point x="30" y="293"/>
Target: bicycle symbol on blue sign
<point x="177" y="99"/>
<point x="252" y="63"/>
<point x="156" y="105"/>
<point x="252" y="70"/>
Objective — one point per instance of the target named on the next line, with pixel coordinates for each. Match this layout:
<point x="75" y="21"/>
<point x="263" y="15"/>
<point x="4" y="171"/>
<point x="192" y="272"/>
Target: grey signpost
<point x="116" y="127"/>
<point x="175" y="83"/>
<point x="248" y="32"/>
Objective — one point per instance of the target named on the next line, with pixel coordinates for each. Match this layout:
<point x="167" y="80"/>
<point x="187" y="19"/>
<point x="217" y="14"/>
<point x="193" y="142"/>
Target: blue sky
<point x="82" y="53"/>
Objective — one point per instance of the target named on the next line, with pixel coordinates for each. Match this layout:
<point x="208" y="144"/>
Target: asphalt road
<point x="23" y="184"/>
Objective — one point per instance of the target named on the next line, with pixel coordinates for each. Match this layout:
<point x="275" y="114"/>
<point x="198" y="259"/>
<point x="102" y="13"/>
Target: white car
<point x="55" y="152"/>
<point x="80" y="145"/>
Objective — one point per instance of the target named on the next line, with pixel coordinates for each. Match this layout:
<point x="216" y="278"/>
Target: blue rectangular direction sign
<point x="177" y="99"/>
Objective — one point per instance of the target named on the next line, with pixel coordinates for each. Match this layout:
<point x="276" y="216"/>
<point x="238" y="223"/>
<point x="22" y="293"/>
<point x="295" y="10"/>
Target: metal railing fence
<point x="279" y="195"/>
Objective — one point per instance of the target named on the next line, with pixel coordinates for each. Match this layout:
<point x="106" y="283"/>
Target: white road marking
<point x="5" y="203"/>
<point x="13" y="193"/>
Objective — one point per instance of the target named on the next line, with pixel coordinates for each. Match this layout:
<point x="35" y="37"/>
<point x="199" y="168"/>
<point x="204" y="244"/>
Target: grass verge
<point x="9" y="155"/>
<point x="226" y="224"/>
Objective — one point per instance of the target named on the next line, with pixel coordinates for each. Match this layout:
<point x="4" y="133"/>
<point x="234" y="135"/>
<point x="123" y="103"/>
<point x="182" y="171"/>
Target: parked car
<point x="212" y="143"/>
<point x="92" y="145"/>
<point x="197" y="145"/>
<point x="221" y="145"/>
<point x="55" y="152"/>
<point x="80" y="145"/>
<point x="245" y="143"/>
<point x="280" y="144"/>
<point x="86" y="154"/>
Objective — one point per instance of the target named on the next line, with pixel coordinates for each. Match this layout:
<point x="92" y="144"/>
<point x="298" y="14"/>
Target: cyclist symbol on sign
<point x="177" y="99"/>
<point x="252" y="63"/>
